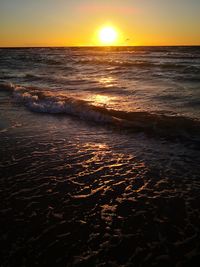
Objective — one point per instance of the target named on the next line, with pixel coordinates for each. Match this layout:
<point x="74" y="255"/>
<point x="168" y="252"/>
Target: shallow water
<point x="84" y="187"/>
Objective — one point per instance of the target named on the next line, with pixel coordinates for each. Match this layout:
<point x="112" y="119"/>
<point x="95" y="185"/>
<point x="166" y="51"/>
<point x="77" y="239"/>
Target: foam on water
<point x="50" y="102"/>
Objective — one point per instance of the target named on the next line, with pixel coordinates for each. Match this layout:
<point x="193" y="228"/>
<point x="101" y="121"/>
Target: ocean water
<point x="137" y="87"/>
<point x="99" y="156"/>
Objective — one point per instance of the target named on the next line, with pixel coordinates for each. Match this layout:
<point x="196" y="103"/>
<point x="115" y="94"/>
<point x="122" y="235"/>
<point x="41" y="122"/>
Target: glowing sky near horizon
<point x="77" y="22"/>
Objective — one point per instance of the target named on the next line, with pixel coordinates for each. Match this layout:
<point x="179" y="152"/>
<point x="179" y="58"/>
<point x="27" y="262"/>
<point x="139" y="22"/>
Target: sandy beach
<point x="71" y="201"/>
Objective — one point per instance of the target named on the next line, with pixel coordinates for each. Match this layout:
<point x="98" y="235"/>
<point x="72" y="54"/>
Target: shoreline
<point x="68" y="200"/>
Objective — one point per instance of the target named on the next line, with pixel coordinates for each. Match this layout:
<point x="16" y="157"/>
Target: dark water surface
<point x="99" y="156"/>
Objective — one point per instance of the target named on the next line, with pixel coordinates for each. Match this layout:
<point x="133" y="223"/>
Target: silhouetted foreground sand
<point x="75" y="193"/>
<point x="64" y="204"/>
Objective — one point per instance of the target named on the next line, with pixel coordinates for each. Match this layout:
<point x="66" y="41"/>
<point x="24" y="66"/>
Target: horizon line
<point x="100" y="46"/>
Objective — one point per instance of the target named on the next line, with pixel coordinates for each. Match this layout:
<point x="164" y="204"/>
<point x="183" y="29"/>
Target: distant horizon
<point x="99" y="46"/>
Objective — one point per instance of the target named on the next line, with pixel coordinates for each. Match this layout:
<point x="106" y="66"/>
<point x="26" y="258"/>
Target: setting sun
<point x="108" y="35"/>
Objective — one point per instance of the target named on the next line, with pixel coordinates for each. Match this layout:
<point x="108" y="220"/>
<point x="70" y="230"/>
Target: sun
<point x="108" y="35"/>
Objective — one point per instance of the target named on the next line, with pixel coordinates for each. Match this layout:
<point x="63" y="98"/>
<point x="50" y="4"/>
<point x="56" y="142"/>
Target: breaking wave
<point x="54" y="103"/>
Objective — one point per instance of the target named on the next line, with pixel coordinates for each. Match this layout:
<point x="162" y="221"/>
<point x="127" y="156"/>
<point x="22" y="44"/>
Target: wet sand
<point x="74" y="193"/>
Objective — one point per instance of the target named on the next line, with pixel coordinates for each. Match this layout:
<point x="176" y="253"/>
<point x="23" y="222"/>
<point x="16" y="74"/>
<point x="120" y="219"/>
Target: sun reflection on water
<point x="101" y="100"/>
<point x="96" y="146"/>
<point x="107" y="81"/>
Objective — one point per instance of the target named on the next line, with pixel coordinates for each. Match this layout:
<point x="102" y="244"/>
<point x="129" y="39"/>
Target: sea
<point x="100" y="156"/>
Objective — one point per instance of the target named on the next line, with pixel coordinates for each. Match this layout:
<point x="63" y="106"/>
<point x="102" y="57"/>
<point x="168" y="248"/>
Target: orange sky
<point x="77" y="23"/>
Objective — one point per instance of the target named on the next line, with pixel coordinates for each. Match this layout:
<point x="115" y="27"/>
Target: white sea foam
<point x="54" y="103"/>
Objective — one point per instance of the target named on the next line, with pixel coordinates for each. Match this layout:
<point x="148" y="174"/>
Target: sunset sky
<point x="77" y="22"/>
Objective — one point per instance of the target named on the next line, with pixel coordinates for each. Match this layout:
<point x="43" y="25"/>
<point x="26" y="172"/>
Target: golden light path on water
<point x="101" y="100"/>
<point x="107" y="81"/>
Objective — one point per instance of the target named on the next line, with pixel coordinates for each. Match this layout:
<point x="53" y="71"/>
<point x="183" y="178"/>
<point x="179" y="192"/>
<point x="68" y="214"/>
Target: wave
<point x="54" y="103"/>
<point x="32" y="77"/>
<point x="110" y="62"/>
<point x="49" y="102"/>
<point x="58" y="79"/>
<point x="180" y="66"/>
